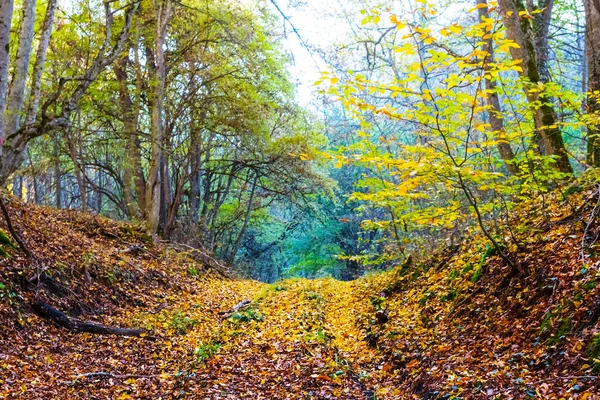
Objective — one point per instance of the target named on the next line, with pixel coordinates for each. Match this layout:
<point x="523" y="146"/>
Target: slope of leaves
<point x="456" y="325"/>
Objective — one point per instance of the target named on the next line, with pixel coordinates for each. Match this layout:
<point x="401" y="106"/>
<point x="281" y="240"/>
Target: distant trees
<point x="178" y="115"/>
<point x="181" y="116"/>
<point x="455" y="122"/>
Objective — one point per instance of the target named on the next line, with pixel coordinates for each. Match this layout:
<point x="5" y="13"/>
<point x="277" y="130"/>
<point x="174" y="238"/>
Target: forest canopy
<point x="428" y="119"/>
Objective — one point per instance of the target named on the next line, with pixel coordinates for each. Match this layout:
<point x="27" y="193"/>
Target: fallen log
<point x="239" y="306"/>
<point x="45" y="310"/>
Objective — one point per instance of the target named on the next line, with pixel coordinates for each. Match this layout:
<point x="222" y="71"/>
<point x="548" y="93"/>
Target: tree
<point x="592" y="40"/>
<point x="15" y="143"/>
<point x="531" y="51"/>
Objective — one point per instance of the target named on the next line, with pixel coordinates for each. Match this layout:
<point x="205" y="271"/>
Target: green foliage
<point x="6" y="244"/>
<point x="428" y="295"/>
<point x="247" y="316"/>
<point x="423" y="140"/>
<point x="449" y="296"/>
<point x="181" y="323"/>
<point x="192" y="271"/>
<point x="319" y="336"/>
<point x="488" y="252"/>
<point x="206" y="351"/>
<point x="593" y="352"/>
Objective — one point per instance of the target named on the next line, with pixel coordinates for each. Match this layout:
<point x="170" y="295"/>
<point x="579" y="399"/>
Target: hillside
<point x="454" y="325"/>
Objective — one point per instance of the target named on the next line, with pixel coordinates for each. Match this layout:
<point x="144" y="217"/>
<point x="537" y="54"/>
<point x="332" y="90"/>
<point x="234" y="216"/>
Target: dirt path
<point x="298" y="339"/>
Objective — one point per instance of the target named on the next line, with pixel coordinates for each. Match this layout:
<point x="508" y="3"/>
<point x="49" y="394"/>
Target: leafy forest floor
<point x="456" y="325"/>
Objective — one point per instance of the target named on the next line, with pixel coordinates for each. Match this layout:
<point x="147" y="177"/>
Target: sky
<point x="319" y="23"/>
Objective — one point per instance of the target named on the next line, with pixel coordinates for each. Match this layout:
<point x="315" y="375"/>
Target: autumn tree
<point x="528" y="28"/>
<point x="592" y="40"/>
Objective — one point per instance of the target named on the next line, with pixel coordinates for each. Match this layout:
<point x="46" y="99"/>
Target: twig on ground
<point x="103" y="374"/>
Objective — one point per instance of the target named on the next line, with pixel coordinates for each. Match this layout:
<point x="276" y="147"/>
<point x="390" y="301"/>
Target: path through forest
<point x="447" y="326"/>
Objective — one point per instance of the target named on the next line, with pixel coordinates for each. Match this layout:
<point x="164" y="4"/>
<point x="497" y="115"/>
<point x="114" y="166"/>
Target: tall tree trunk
<point x="132" y="168"/>
<point x="162" y="9"/>
<point x="40" y="61"/>
<point x="21" y="68"/>
<point x="521" y="31"/>
<point x="6" y="11"/>
<point x="493" y="101"/>
<point x="16" y="145"/>
<point x="73" y="143"/>
<point x="238" y="241"/>
<point x="100" y="188"/>
<point x="195" y="164"/>
<point x="57" y="173"/>
<point x="592" y="39"/>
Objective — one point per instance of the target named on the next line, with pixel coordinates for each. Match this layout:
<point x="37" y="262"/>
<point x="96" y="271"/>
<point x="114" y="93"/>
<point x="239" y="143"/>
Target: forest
<point x="360" y="199"/>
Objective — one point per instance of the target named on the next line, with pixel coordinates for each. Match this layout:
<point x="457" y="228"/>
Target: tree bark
<point x="132" y="170"/>
<point x="21" y="68"/>
<point x="238" y="241"/>
<point x="521" y="31"/>
<point x="40" y="61"/>
<point x="493" y="102"/>
<point x="57" y="173"/>
<point x="45" y="310"/>
<point x="162" y="9"/>
<point x="195" y="163"/>
<point x="6" y="11"/>
<point x="592" y="39"/>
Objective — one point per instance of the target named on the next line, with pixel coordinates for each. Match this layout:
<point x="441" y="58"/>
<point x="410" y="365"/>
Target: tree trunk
<point x="493" y="102"/>
<point x="40" y="60"/>
<point x="520" y="30"/>
<point x="162" y="10"/>
<point x="238" y="241"/>
<point x="6" y="11"/>
<point x="132" y="167"/>
<point x="21" y="68"/>
<point x="57" y="173"/>
<point x="592" y="39"/>
<point x="195" y="164"/>
<point x="45" y="310"/>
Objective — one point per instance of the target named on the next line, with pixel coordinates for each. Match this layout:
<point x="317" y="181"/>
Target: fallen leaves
<point x="444" y="333"/>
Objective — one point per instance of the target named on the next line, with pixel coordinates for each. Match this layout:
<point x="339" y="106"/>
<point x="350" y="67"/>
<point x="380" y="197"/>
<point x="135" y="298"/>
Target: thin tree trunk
<point x="130" y="127"/>
<point x="40" y="60"/>
<point x="162" y="10"/>
<point x="520" y="30"/>
<point x="6" y="11"/>
<point x="238" y="241"/>
<point x="592" y="39"/>
<point x="493" y="102"/>
<point x="135" y="149"/>
<point x="16" y="92"/>
<point x="195" y="165"/>
<point x="57" y="173"/>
